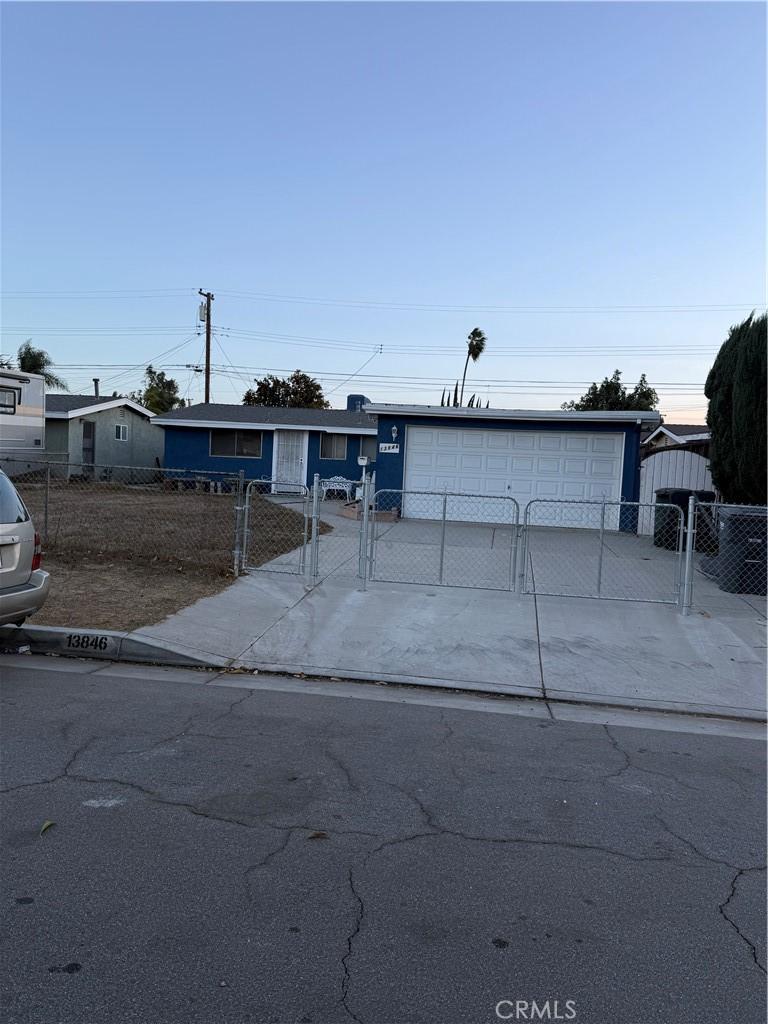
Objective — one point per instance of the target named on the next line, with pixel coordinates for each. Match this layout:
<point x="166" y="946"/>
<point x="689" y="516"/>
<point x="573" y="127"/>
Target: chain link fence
<point x="443" y="539"/>
<point x="593" y="549"/>
<point x="729" y="548"/>
<point x="91" y="513"/>
<point x="221" y="524"/>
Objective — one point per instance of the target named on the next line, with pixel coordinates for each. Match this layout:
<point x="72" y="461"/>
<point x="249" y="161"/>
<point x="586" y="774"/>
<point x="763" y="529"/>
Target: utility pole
<point x="208" y="296"/>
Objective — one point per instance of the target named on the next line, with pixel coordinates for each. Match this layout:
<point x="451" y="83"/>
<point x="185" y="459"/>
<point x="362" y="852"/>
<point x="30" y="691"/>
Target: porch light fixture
<point x="394" y="433"/>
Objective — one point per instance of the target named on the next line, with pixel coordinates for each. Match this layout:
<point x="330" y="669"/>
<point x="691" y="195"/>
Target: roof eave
<point x="536" y="415"/>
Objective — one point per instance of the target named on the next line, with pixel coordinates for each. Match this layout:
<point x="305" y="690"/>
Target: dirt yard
<point x="121" y="595"/>
<point x="121" y="557"/>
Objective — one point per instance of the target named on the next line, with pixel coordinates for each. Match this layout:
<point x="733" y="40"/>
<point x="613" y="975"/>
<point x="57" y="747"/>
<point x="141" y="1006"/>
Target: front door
<point x="89" y="445"/>
<point x="290" y="459"/>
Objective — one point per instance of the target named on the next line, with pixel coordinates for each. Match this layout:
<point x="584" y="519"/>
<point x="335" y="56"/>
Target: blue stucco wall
<point x="390" y="467"/>
<point x="187" y="448"/>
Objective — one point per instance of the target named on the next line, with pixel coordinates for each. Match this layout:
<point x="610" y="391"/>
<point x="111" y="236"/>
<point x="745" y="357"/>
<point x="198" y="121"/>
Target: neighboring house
<point x="270" y="443"/>
<point x="694" y="436"/>
<point x="83" y="431"/>
<point x="523" y="454"/>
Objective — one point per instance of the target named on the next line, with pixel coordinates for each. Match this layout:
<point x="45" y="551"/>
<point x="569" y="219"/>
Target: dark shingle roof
<point x="67" y="403"/>
<point x="220" y="413"/>
<point x="684" y="429"/>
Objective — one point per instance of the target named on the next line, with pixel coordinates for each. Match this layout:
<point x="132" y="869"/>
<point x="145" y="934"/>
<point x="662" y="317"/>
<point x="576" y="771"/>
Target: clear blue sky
<point x="411" y="155"/>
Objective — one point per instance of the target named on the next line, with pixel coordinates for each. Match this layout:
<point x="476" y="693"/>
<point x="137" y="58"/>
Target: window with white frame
<point x="242" y="444"/>
<point x="369" y="446"/>
<point x="121" y="431"/>
<point x="333" y="446"/>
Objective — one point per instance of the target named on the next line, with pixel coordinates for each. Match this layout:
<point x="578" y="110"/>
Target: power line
<point x="341" y="384"/>
<point x="468" y="308"/>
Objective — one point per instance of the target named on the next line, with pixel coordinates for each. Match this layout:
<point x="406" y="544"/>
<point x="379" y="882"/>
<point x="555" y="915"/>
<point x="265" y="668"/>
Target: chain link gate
<point x="443" y="538"/>
<point x="603" y="549"/>
<point x="274" y="527"/>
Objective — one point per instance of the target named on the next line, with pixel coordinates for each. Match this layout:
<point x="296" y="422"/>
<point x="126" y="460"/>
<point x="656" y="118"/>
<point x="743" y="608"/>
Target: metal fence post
<point x="513" y="555"/>
<point x="45" y="500"/>
<point x="239" y="498"/>
<point x="522" y="557"/>
<point x="363" y="562"/>
<point x="442" y="538"/>
<point x="687" y="591"/>
<point x="372" y="528"/>
<point x="314" y="559"/>
<point x="305" y="533"/>
<point x="602" y="542"/>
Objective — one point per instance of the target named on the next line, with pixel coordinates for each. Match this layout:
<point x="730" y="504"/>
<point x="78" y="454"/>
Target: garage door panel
<point x="604" y="444"/>
<point x="418" y="437"/>
<point x="576" y="443"/>
<point x="496" y="439"/>
<point x="448" y="438"/>
<point x="519" y="464"/>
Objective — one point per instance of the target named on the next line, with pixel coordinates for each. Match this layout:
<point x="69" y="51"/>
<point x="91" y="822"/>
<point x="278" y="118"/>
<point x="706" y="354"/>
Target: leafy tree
<point x="736" y="389"/>
<point x="612" y="395"/>
<point x="36" y="360"/>
<point x="299" y="391"/>
<point x="159" y="394"/>
<point x="475" y="347"/>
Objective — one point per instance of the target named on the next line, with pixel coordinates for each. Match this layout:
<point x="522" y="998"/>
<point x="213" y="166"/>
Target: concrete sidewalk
<point x="627" y="654"/>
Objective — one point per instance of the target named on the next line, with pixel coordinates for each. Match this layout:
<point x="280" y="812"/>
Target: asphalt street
<point x="222" y="855"/>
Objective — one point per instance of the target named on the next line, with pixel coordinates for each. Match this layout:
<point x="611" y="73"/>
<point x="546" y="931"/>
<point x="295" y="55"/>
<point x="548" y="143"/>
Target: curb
<point x="110" y="645"/>
<point x="105" y="645"/>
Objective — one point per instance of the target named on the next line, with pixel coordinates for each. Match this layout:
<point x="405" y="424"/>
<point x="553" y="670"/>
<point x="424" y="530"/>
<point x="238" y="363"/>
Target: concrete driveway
<point x="562" y="648"/>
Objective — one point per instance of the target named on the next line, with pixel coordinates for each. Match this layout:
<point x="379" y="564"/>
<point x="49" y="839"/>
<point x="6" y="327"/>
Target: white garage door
<point x="522" y="464"/>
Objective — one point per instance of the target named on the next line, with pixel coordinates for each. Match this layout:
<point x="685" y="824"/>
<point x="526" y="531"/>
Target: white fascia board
<point x="372" y="431"/>
<point x="233" y="425"/>
<point x="88" y="410"/>
<point x="540" y="415"/>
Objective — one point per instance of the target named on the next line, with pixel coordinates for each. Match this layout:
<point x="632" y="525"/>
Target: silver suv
<point x="23" y="584"/>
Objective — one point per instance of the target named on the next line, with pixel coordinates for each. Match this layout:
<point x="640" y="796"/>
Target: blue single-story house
<point x="269" y="443"/>
<point x="522" y="454"/>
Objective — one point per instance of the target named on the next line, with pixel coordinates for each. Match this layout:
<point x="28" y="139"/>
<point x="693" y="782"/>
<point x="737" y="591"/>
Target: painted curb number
<point x="87" y="642"/>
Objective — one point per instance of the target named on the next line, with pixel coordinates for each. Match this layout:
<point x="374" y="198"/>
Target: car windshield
<point x="11" y="506"/>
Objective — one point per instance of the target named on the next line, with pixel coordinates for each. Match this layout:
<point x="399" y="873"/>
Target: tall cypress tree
<point x="736" y="389"/>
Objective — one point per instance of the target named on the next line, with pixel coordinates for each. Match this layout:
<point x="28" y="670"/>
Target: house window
<point x="369" y="447"/>
<point x="333" y="446"/>
<point x="7" y="401"/>
<point x="244" y="444"/>
<point x="121" y="431"/>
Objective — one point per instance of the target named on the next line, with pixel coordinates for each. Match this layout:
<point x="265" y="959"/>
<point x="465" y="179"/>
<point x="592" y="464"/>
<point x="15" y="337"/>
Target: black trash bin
<point x="742" y="550"/>
<point x="665" y="519"/>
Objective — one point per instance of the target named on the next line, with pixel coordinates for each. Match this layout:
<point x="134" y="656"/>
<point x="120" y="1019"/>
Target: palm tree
<point x="37" y="360"/>
<point x="475" y="347"/>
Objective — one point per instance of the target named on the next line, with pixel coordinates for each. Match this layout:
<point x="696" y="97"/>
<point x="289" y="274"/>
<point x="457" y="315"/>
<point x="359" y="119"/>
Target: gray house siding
<point x="143" y="444"/>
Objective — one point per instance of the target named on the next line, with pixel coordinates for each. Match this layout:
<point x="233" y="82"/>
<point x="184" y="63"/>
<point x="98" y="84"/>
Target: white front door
<point x="289" y="462"/>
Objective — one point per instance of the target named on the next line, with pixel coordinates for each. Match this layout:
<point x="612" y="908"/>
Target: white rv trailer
<point x="22" y="413"/>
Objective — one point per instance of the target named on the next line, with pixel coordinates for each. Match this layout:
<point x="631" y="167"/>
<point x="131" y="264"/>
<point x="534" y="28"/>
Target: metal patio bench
<point x="337" y="483"/>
